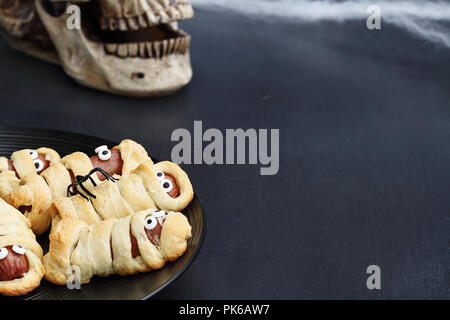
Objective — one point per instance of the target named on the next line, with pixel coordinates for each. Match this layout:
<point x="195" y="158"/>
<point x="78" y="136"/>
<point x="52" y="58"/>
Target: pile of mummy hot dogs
<point x="115" y="212"/>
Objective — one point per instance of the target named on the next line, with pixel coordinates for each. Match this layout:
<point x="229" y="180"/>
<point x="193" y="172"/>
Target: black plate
<point x="140" y="286"/>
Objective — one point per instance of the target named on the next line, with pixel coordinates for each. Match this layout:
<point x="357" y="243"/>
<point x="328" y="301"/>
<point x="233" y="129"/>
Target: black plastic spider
<point x="82" y="179"/>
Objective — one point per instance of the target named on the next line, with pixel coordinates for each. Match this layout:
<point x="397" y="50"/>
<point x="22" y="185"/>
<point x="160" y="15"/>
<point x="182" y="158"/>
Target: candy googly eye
<point x="159" y="214"/>
<point x="160" y="175"/>
<point x="3" y="253"/>
<point x="167" y="185"/>
<point x="103" y="152"/>
<point x="18" y="249"/>
<point x="38" y="164"/>
<point x="33" y="154"/>
<point x="150" y="223"/>
<point x="105" y="155"/>
<point x="101" y="148"/>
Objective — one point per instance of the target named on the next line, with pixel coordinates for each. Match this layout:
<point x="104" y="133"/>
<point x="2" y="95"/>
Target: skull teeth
<point x="122" y="50"/>
<point x="111" y="48"/>
<point x="149" y="50"/>
<point x="158" y="14"/>
<point x="133" y="23"/>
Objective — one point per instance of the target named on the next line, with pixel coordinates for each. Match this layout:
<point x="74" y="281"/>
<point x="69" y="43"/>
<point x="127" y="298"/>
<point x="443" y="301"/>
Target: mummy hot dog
<point x="137" y="243"/>
<point x="32" y="179"/>
<point x="152" y="186"/>
<point x="21" y="269"/>
<point x="168" y="185"/>
<point x="111" y="162"/>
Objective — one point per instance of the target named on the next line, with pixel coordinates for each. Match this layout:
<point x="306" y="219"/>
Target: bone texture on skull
<point x="126" y="47"/>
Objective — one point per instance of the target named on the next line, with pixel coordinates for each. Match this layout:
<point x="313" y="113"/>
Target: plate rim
<point x="203" y="215"/>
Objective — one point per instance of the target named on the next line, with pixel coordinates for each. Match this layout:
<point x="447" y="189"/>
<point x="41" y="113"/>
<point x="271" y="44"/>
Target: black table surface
<point x="364" y="119"/>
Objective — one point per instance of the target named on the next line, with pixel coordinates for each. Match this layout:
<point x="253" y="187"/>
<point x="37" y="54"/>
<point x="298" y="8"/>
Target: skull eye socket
<point x="55" y="9"/>
<point x="38" y="164"/>
<point x="3" y="253"/>
<point x="167" y="185"/>
<point x="150" y="223"/>
<point x="33" y="154"/>
<point x="5" y="5"/>
<point x="103" y="153"/>
<point x="160" y="175"/>
<point x="18" y="249"/>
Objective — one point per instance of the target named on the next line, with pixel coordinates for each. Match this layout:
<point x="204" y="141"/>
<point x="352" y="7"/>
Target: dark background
<point x="364" y="178"/>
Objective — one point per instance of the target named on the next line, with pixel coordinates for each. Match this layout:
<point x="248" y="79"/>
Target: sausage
<point x="11" y="168"/>
<point x="134" y="246"/>
<point x="113" y="165"/>
<point x="175" y="192"/>
<point x="153" y="235"/>
<point x="111" y="248"/>
<point x="13" y="266"/>
<point x="40" y="163"/>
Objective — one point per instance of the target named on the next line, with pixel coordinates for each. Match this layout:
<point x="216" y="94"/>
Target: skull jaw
<point x="135" y="77"/>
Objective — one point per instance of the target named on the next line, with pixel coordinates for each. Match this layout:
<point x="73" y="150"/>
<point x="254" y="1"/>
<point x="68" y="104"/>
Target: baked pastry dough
<point x="34" y="198"/>
<point x="154" y="178"/>
<point x="139" y="242"/>
<point x="32" y="179"/>
<point x="21" y="269"/>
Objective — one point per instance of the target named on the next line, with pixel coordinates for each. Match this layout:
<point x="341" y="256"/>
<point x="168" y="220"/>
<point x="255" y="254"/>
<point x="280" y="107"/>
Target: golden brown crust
<point x="108" y="201"/>
<point x="23" y="163"/>
<point x="63" y="239"/>
<point x="30" y="189"/>
<point x="33" y="192"/>
<point x="58" y="179"/>
<point x="133" y="191"/>
<point x="133" y="154"/>
<point x="174" y="236"/>
<point x="8" y="183"/>
<point x="80" y="164"/>
<point x="15" y="231"/>
<point x="50" y="154"/>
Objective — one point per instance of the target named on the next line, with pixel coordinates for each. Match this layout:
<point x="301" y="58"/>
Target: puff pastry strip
<point x="21" y="269"/>
<point x="140" y="242"/>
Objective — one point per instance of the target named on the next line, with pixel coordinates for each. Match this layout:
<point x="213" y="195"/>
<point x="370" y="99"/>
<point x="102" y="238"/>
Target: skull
<point x="126" y="47"/>
<point x="21" y="27"/>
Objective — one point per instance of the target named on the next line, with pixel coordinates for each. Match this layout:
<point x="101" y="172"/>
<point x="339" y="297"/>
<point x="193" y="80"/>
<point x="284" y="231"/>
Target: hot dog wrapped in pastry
<point x="153" y="186"/>
<point x="168" y="185"/>
<point x="24" y="163"/>
<point x="32" y="179"/>
<point x="21" y="269"/>
<point x="140" y="242"/>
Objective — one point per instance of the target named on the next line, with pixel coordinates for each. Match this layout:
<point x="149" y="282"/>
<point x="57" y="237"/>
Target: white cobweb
<point x="428" y="20"/>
